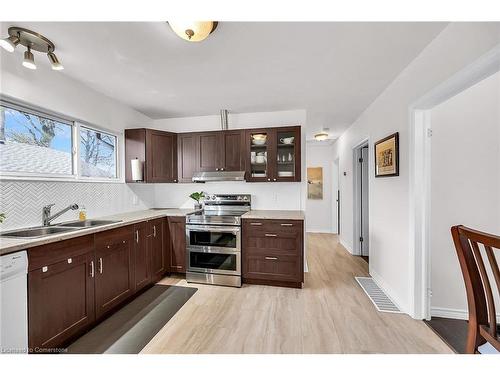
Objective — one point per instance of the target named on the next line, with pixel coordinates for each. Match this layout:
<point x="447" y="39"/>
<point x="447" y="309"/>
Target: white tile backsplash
<point x="22" y="201"/>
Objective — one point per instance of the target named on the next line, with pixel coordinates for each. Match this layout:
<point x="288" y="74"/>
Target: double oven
<point x="213" y="240"/>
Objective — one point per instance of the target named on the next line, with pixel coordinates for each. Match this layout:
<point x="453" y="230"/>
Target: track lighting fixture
<point x="56" y="65"/>
<point x="29" y="60"/>
<point x="10" y="43"/>
<point x="33" y="42"/>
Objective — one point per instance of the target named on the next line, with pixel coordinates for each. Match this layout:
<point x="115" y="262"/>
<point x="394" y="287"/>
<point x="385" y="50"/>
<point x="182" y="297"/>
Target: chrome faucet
<point x="47" y="218"/>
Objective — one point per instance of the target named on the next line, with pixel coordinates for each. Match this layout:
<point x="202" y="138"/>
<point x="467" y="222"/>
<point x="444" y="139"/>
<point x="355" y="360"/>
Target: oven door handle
<point x="213" y="228"/>
<point x="213" y="250"/>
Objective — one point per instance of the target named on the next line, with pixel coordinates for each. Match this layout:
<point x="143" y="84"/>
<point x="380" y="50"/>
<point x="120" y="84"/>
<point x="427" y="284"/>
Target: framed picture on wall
<point x="387" y="156"/>
<point x="315" y="183"/>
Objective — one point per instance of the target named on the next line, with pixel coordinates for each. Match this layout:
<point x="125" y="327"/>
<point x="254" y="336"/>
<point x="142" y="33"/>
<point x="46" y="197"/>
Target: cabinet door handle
<point x="45" y="269"/>
<point x="216" y="169"/>
<point x="274" y="179"/>
<point x="100" y="265"/>
<point x="255" y="223"/>
<point x="154" y="230"/>
<point x="286" y="225"/>
<point x="271" y="235"/>
<point x="91" y="268"/>
<point x="268" y="179"/>
<point x="137" y="236"/>
<point x="222" y="169"/>
<point x="271" y="258"/>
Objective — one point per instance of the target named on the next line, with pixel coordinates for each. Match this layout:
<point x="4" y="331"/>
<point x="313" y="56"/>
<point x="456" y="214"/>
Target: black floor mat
<point x="133" y="326"/>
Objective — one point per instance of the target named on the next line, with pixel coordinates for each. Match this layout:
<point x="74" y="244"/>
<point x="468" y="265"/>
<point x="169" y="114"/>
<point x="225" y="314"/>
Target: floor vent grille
<point x="377" y="295"/>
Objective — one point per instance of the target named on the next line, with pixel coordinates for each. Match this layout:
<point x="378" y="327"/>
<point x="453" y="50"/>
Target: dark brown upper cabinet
<point x="157" y="150"/>
<point x="186" y="144"/>
<point x="232" y="151"/>
<point x="273" y="154"/>
<point x="208" y="150"/>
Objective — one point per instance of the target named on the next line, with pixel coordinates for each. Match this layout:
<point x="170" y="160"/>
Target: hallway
<point x="331" y="314"/>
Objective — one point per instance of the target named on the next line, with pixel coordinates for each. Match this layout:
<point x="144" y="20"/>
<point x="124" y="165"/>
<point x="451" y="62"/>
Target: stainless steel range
<point x="213" y="240"/>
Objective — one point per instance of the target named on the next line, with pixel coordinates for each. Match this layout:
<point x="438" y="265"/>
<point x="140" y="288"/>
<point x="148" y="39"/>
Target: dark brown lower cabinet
<point x="272" y="252"/>
<point x="158" y="250"/>
<point x="114" y="280"/>
<point x="72" y="284"/>
<point x="142" y="247"/>
<point x="177" y="237"/>
<point x="61" y="291"/>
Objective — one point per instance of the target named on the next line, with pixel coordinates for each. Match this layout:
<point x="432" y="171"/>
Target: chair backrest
<point x="480" y="289"/>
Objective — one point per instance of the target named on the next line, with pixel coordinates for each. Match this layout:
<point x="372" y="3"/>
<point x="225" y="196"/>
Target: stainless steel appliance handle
<point x="214" y="250"/>
<point x="213" y="228"/>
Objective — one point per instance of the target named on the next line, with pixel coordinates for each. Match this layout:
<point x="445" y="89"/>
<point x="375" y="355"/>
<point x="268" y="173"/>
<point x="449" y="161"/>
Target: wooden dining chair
<point x="483" y="332"/>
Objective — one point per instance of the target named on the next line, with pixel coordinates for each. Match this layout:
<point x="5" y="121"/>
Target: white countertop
<point x="274" y="215"/>
<point x="9" y="245"/>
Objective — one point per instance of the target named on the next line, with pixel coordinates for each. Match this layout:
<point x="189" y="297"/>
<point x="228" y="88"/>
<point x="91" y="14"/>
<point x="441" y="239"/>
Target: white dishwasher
<point x="14" y="303"/>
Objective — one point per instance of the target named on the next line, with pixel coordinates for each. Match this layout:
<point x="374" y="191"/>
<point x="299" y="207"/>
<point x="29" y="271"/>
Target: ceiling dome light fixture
<point x="33" y="42"/>
<point x="193" y="31"/>
<point x="322" y="135"/>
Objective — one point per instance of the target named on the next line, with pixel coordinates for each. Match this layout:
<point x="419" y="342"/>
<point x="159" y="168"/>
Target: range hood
<point x="219" y="176"/>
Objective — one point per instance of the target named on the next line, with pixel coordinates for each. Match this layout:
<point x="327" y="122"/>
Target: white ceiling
<point x="333" y="70"/>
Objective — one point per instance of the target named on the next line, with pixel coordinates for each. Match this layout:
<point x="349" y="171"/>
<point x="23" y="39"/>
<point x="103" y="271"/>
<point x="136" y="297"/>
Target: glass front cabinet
<point x="273" y="154"/>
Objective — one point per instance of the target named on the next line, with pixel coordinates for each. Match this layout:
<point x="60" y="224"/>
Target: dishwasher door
<point x="14" y="303"/>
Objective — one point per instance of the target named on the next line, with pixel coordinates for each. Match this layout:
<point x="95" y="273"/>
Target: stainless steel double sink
<point x="55" y="229"/>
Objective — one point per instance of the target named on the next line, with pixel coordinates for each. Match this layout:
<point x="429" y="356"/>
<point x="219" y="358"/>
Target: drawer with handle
<point x="273" y="225"/>
<point x="114" y="237"/>
<point x="273" y="267"/>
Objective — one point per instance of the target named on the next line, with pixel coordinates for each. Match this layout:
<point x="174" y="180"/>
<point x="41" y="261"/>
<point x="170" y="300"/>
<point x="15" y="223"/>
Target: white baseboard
<point x="388" y="291"/>
<point x="319" y="231"/>
<point x="444" y="312"/>
<point x="345" y="245"/>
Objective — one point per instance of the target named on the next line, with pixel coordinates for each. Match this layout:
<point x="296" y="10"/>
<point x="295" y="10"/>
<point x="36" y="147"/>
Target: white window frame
<point x="75" y="128"/>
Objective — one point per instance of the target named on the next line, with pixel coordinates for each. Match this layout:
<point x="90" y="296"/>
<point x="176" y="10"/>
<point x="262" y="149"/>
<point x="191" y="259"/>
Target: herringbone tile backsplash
<point x="22" y="201"/>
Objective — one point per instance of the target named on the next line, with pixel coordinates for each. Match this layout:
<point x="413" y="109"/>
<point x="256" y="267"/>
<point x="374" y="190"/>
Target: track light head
<point x="29" y="60"/>
<point x="56" y="65"/>
<point x="9" y="44"/>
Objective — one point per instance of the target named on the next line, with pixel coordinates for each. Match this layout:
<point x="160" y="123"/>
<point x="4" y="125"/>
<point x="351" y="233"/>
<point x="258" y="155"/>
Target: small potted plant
<point x="197" y="196"/>
<point x="2" y="217"/>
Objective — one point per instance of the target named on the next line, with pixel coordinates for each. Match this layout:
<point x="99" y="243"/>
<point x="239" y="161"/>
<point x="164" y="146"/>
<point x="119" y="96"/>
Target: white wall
<point x="457" y="46"/>
<point x="321" y="214"/>
<point x="465" y="183"/>
<point x="57" y="92"/>
<point x="22" y="201"/>
<point x="279" y="195"/>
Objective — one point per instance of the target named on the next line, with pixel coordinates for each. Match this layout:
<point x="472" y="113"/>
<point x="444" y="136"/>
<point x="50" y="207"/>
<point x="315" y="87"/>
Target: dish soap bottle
<point x="82" y="215"/>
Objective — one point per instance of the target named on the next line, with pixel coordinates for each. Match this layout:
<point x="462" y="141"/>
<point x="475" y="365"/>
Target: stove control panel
<point x="221" y="199"/>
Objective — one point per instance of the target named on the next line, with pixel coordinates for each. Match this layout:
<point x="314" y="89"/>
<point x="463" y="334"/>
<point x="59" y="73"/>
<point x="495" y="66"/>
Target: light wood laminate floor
<point x="331" y="314"/>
